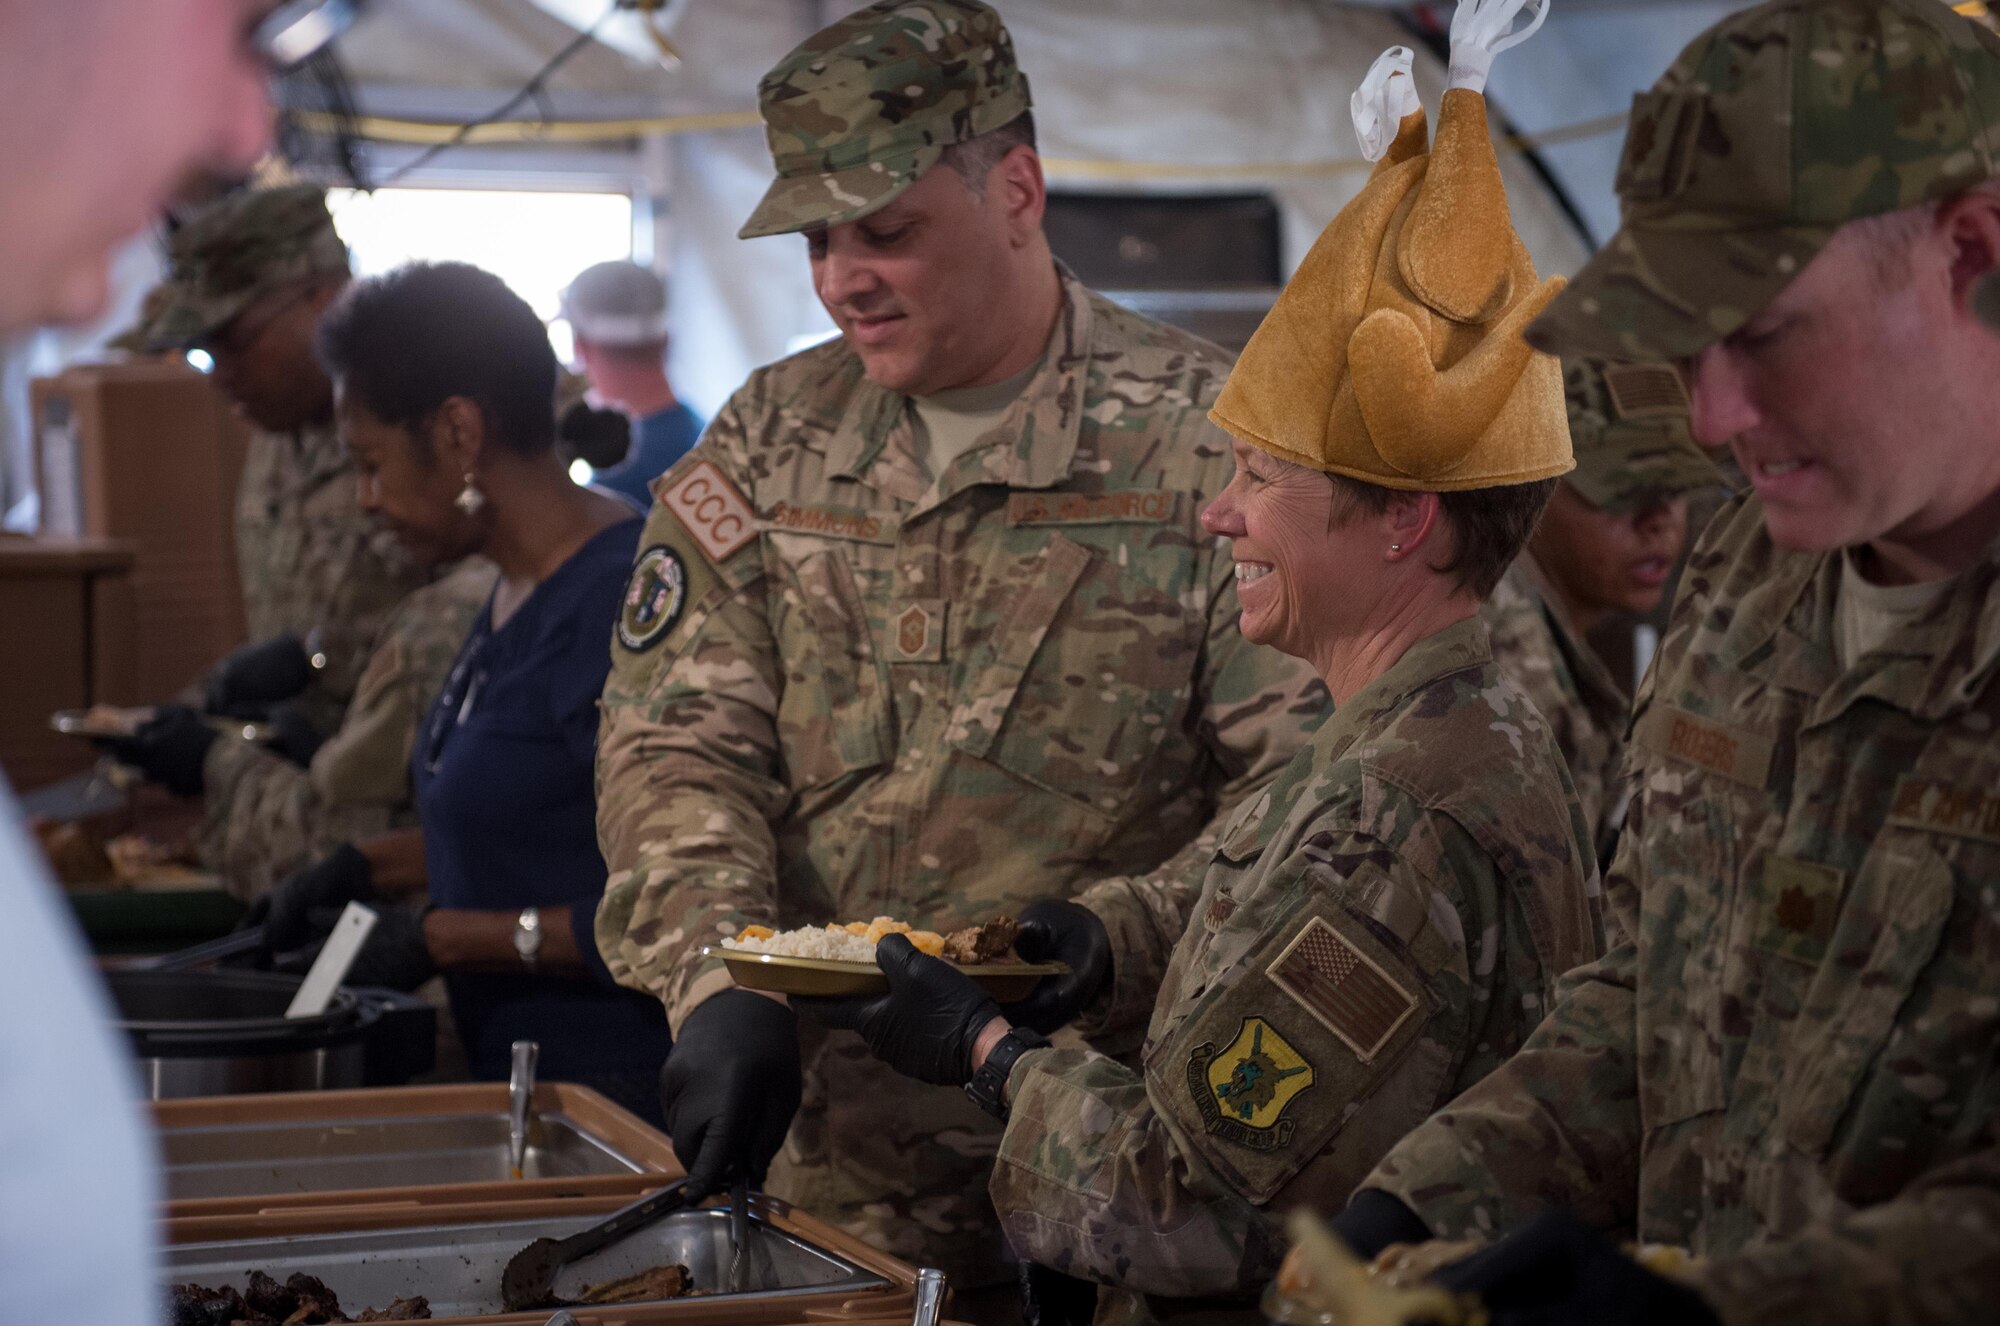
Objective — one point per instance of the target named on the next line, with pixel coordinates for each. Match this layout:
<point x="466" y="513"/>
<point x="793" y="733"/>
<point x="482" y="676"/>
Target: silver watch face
<point x="528" y="933"/>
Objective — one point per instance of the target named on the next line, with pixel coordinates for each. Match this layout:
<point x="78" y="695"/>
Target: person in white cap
<point x="618" y="311"/>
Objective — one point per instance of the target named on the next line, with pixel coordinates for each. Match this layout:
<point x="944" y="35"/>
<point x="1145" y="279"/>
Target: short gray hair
<point x="975" y="158"/>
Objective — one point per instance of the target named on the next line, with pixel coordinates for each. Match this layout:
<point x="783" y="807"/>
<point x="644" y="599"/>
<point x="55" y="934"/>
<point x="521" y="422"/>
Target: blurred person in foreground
<point x="926" y="624"/>
<point x="618" y="312"/>
<point x="110" y="106"/>
<point x="1385" y="923"/>
<point x="1789" y="1065"/>
<point x="1606" y="546"/>
<point x="445" y="381"/>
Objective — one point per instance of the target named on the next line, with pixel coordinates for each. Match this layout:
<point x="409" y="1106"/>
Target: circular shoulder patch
<point x="654" y="598"/>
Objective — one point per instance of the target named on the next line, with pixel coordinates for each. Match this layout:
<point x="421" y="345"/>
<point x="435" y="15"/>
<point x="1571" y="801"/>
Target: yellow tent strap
<point x="424" y="133"/>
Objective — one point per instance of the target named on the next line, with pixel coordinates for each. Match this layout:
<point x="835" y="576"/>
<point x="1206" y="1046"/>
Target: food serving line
<point x="393" y="1193"/>
<point x="441" y="1203"/>
<point x="491" y="1203"/>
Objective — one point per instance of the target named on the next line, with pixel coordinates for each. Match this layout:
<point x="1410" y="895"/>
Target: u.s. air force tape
<point x="654" y="598"/>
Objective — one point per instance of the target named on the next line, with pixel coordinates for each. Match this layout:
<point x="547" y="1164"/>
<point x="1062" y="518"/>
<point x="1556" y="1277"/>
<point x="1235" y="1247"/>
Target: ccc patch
<point x="654" y="598"/>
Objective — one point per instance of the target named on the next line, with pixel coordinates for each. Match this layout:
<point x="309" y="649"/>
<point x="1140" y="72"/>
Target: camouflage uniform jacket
<point x="1379" y="929"/>
<point x="1540" y="653"/>
<point x="1794" y="1068"/>
<point x="265" y="817"/>
<point x="310" y="557"/>
<point x="827" y="703"/>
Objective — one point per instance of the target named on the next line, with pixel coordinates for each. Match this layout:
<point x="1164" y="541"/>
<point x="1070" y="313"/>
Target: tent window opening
<point x="534" y="240"/>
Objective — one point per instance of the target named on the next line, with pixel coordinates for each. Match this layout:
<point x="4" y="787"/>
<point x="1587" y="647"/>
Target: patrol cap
<point x="859" y="110"/>
<point x="1629" y="426"/>
<point x="1772" y="130"/>
<point x="617" y="303"/>
<point x="224" y="257"/>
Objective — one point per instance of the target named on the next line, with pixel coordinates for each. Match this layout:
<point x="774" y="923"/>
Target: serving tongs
<point x="529" y="1280"/>
<point x="247" y="940"/>
<point x="520" y="1100"/>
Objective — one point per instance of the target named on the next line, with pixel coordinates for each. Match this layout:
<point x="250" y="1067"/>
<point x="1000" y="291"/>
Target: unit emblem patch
<point x="1242" y="1090"/>
<point x="654" y="598"/>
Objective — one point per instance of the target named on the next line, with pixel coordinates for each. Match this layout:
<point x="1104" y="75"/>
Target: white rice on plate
<point x="828" y="943"/>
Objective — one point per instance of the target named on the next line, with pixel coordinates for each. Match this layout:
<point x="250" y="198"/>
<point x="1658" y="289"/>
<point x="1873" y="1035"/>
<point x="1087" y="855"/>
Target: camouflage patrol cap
<point x="1629" y="426"/>
<point x="233" y="251"/>
<point x="1772" y="130"/>
<point x="861" y="109"/>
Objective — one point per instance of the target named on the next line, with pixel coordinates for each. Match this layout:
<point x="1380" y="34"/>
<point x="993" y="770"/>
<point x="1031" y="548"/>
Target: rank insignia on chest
<point x="919" y="632"/>
<point x="1242" y="1090"/>
<point x="654" y="598"/>
<point x="1350" y="993"/>
<point x="1800" y="908"/>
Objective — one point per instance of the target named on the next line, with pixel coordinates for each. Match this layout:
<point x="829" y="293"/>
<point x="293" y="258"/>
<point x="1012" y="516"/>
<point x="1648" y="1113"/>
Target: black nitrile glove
<point x="1375" y="1220"/>
<point x="170" y="748"/>
<point x="302" y="910"/>
<point x="394" y="954"/>
<point x="730" y="1087"/>
<point x="246" y="683"/>
<point x="1559" y="1271"/>
<point x="293" y="735"/>
<point x="925" y="1026"/>
<point x="1065" y="932"/>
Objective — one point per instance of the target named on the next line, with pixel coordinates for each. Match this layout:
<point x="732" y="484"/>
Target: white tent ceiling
<point x="1140" y="95"/>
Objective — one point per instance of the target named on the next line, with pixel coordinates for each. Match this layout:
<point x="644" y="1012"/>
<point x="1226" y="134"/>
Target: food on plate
<point x="136" y="858"/>
<point x="76" y="855"/>
<point x="301" y="1300"/>
<point x="79" y="855"/>
<point x="981" y="944"/>
<point x="115" y="720"/>
<point x="856" y="940"/>
<point x="670" y="1281"/>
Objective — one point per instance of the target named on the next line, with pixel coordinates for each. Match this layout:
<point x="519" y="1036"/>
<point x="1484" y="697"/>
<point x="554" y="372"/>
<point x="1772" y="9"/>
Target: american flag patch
<point x="1343" y="987"/>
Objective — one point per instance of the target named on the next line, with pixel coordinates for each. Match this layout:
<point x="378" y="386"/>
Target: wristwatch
<point x="528" y="936"/>
<point x="988" y="1087"/>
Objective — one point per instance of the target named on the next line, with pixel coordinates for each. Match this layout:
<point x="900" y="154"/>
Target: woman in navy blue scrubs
<point x="444" y="382"/>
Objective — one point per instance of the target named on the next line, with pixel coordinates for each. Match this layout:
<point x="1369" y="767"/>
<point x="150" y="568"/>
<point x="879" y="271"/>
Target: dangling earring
<point x="469" y="498"/>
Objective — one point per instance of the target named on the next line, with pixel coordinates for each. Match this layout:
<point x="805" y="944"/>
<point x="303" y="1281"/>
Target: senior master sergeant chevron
<point x="1793" y="1066"/>
<point x="926" y="625"/>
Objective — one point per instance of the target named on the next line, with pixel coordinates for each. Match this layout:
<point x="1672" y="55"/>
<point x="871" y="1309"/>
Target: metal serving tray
<point x="267" y="1159"/>
<point x="457" y="1267"/>
<point x="395" y="1147"/>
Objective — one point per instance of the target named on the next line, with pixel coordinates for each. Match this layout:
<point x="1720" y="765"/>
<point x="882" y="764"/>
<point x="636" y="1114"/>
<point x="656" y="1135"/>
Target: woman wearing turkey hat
<point x="1386" y="923"/>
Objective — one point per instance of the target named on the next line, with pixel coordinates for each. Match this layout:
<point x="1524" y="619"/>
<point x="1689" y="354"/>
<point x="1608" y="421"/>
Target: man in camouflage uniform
<point x="248" y="277"/>
<point x="266" y="816"/>
<point x="1635" y="464"/>
<point x="1790" y="1069"/>
<point x="897" y="646"/>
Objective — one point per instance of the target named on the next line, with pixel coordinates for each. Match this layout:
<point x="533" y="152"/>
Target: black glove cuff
<point x="353" y="867"/>
<point x="1374" y="1220"/>
<point x="988" y="1087"/>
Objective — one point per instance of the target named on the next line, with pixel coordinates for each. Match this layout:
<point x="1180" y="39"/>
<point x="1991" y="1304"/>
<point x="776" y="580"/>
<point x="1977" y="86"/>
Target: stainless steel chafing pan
<point x="457" y="1267"/>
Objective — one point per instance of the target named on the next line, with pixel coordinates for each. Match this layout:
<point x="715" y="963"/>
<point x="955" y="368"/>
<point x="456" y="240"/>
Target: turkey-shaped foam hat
<point x="1394" y="355"/>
